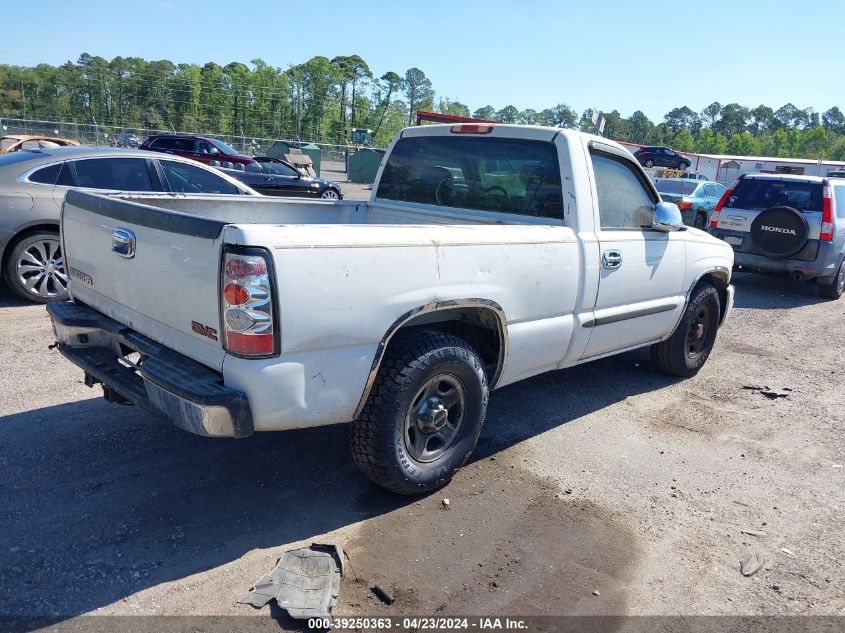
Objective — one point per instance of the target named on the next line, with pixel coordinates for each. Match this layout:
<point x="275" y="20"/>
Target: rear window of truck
<point x="757" y="194"/>
<point x="490" y="174"/>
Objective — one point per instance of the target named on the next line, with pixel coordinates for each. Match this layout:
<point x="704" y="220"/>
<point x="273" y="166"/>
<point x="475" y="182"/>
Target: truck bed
<point x="267" y="210"/>
<point x="344" y="273"/>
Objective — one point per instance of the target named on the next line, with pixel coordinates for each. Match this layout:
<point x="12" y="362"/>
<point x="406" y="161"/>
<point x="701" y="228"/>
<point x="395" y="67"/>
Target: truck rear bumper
<point x="143" y="372"/>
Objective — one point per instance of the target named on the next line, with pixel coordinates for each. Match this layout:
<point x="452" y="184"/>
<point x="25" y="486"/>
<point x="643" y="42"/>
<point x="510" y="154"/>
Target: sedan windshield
<point x="682" y="187"/>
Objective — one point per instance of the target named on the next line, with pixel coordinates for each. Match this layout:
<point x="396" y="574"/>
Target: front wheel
<point x="330" y="194"/>
<point x="835" y="289"/>
<point x="35" y="268"/>
<point x="683" y="166"/>
<point x="423" y="415"/>
<point x="685" y="352"/>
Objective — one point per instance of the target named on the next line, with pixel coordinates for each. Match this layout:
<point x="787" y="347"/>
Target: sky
<point x="624" y="55"/>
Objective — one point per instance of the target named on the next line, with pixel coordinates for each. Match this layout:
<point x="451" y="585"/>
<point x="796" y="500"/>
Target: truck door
<point x="640" y="295"/>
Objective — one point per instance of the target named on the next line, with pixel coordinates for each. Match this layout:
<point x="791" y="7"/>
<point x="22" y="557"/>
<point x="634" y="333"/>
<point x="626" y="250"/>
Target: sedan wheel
<point x="36" y="268"/>
<point x="329" y="194"/>
<point x="649" y="163"/>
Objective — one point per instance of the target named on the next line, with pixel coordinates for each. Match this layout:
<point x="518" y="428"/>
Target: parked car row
<point x="33" y="185"/>
<point x="35" y="174"/>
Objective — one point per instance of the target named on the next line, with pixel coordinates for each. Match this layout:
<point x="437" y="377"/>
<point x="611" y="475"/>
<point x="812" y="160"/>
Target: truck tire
<point x="836" y="288"/>
<point x="686" y="351"/>
<point x="423" y="415"/>
<point x="35" y="268"/>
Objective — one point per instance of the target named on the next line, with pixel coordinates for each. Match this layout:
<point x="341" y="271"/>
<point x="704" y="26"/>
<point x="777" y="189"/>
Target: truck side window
<point x="518" y="176"/>
<point x="624" y="202"/>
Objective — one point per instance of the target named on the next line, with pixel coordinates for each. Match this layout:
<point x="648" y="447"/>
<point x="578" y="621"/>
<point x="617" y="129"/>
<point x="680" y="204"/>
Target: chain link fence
<point x="95" y="134"/>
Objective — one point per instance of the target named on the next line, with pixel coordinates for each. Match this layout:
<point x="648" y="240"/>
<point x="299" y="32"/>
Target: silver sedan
<point x="32" y="189"/>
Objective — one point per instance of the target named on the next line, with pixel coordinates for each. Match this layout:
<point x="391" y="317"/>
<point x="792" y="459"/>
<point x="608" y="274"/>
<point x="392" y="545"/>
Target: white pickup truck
<point x="487" y="254"/>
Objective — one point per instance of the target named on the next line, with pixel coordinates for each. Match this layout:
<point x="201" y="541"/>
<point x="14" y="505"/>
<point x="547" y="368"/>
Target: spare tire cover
<point x="780" y="231"/>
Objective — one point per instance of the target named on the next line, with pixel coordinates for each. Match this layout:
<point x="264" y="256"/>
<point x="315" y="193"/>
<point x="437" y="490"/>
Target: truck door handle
<point x="611" y="259"/>
<point x="123" y="243"/>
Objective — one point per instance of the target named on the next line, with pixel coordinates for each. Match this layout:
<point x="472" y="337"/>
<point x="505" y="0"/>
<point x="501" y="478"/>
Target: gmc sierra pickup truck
<point x="487" y="254"/>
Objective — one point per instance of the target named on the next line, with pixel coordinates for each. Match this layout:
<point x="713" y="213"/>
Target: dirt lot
<point x="604" y="489"/>
<point x="351" y="190"/>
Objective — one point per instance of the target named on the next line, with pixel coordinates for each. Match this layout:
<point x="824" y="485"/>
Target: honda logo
<point x="778" y="229"/>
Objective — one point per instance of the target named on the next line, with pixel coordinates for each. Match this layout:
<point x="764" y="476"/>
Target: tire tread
<point x="367" y="434"/>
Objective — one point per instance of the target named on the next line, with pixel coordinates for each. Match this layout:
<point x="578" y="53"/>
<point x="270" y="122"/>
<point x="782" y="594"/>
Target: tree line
<point x="322" y="100"/>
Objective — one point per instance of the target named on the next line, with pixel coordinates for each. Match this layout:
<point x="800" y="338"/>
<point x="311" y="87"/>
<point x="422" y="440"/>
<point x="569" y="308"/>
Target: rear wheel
<point x="837" y="288"/>
<point x="649" y="163"/>
<point x="424" y="413"/>
<point x="35" y="268"/>
<point x="686" y="351"/>
<point x="700" y="221"/>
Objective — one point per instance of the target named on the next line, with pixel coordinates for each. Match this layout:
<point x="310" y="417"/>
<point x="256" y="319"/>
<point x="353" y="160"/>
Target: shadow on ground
<point x="103" y="501"/>
<point x="773" y="292"/>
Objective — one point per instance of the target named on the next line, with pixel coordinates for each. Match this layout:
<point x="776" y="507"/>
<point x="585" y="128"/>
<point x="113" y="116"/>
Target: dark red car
<point x="204" y="149"/>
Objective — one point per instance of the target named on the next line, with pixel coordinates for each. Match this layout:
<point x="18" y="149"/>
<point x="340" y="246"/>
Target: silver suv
<point x="786" y="224"/>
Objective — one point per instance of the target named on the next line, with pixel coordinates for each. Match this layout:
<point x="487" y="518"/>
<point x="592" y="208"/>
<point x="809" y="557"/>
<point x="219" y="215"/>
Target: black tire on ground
<point x="649" y="163"/>
<point x="686" y="351"/>
<point x="423" y="415"/>
<point x="837" y="288"/>
<point x="700" y="221"/>
<point x="35" y="268"/>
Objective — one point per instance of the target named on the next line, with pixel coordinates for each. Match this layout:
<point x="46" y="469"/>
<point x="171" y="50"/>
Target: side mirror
<point x="667" y="218"/>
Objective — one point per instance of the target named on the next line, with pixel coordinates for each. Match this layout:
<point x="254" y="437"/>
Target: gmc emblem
<point x="204" y="330"/>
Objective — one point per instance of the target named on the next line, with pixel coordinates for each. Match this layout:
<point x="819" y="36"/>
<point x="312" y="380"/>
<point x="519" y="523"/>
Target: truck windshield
<point x="491" y="174"/>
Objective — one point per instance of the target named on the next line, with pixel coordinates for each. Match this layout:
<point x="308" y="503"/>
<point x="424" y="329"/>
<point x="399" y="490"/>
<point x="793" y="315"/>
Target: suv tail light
<point x="826" y="233"/>
<point x="249" y="324"/>
<point x="714" y="218"/>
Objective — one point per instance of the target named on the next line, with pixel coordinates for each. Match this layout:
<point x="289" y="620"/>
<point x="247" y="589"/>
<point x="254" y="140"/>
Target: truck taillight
<point x="826" y="232"/>
<point x="247" y="303"/>
<point x="472" y="128"/>
<point x="714" y="218"/>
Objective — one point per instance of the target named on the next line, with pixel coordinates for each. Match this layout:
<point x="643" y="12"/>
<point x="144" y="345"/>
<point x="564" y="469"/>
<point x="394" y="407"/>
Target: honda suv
<point x="204" y="149"/>
<point x="786" y="224"/>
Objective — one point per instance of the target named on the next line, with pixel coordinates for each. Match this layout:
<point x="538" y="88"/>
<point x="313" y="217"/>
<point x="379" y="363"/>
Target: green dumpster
<point x="364" y="164"/>
<point x="313" y="152"/>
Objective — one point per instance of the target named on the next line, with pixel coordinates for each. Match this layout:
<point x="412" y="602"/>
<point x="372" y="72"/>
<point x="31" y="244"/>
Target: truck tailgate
<point x="163" y="285"/>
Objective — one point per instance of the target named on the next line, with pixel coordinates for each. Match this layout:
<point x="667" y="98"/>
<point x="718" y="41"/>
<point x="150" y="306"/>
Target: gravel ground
<point x="351" y="190"/>
<point x="603" y="489"/>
